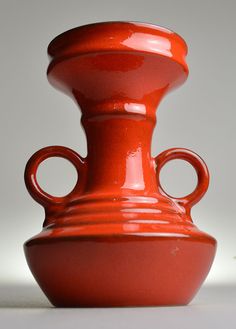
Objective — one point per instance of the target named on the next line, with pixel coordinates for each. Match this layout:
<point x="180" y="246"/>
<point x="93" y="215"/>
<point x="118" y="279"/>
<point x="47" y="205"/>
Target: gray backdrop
<point x="200" y="115"/>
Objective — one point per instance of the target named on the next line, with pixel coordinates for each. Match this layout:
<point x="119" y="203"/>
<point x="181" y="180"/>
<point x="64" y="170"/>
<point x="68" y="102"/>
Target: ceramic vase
<point x="118" y="239"/>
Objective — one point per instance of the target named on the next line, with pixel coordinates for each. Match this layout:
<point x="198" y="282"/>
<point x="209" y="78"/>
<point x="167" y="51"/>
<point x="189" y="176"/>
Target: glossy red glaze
<point x="118" y="239"/>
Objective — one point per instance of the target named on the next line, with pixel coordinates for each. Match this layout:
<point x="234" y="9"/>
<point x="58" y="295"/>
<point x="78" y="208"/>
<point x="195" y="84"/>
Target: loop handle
<point x="38" y="194"/>
<point x="198" y="164"/>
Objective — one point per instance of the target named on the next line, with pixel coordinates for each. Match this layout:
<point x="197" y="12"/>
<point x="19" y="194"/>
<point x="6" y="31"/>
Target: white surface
<point x="26" y="307"/>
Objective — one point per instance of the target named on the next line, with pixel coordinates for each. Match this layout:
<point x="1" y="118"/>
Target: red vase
<point x="118" y="239"/>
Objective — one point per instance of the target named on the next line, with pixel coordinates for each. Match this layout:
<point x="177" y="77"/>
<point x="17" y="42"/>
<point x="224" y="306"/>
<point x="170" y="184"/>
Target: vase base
<point x="114" y="271"/>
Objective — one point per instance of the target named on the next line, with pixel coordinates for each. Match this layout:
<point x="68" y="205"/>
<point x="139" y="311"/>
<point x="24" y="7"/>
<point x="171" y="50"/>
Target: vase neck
<point x="116" y="140"/>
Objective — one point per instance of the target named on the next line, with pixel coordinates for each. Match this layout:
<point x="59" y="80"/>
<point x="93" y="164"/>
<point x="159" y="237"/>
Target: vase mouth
<point x="119" y="36"/>
<point x="117" y="61"/>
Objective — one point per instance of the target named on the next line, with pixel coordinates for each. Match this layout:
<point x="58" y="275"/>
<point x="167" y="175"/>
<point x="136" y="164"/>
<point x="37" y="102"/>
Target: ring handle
<point x="38" y="194"/>
<point x="198" y="164"/>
